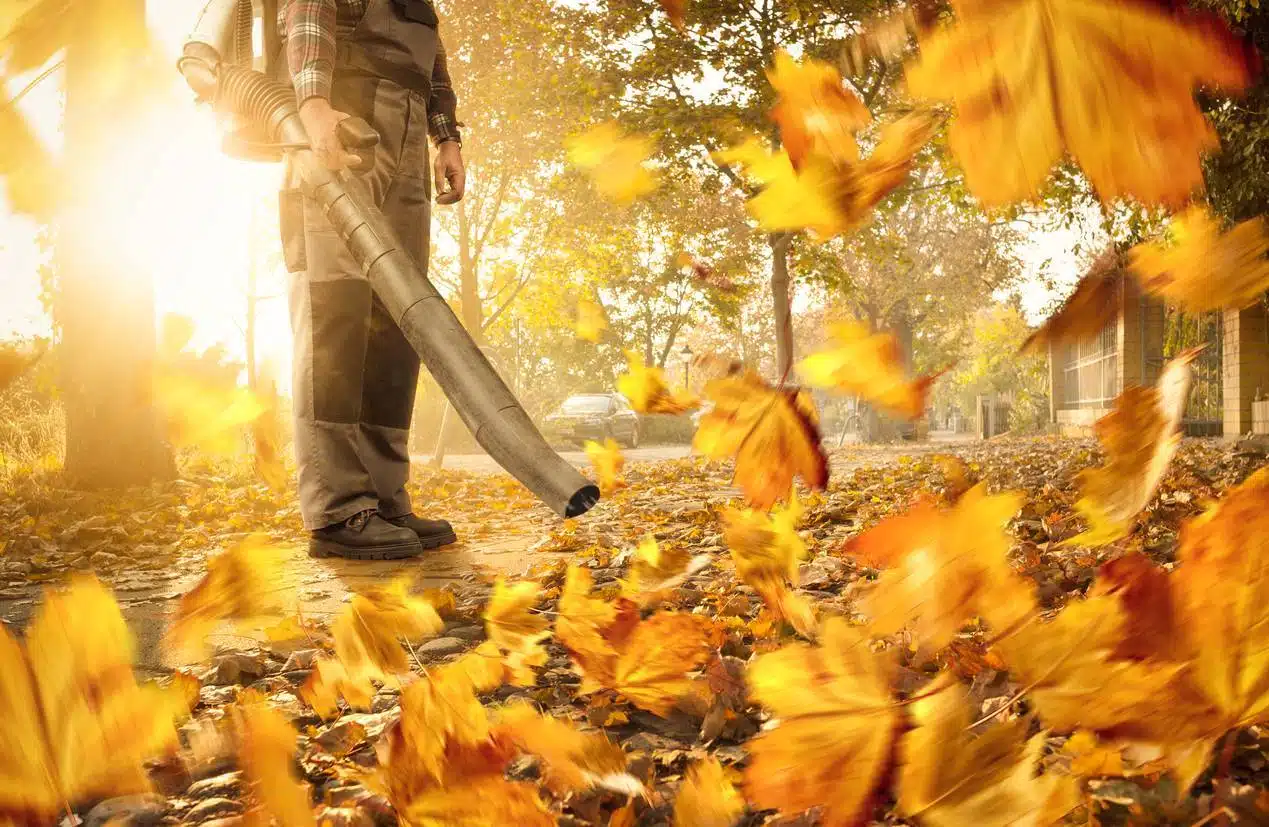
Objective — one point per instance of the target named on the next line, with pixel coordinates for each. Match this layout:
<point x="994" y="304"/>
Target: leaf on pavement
<point x="645" y="387"/>
<point x="267" y="752"/>
<point x="1139" y="437"/>
<point x="616" y="163"/>
<point x="607" y="461"/>
<point x="772" y="433"/>
<point x="950" y="777"/>
<point x="77" y="726"/>
<point x="943" y="568"/>
<point x="241" y="585"/>
<point x="1086" y="312"/>
<point x="835" y="731"/>
<point x="868" y="365"/>
<point x="1110" y="83"/>
<point x="815" y="111"/>
<point x="707" y="798"/>
<point x="1199" y="268"/>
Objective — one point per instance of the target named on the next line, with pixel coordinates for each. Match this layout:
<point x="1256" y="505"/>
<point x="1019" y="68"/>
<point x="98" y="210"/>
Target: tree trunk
<point x="779" y="244"/>
<point x="104" y="309"/>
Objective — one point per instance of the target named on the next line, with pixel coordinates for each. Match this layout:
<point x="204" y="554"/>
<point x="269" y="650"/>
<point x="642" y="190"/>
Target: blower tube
<point x="475" y="390"/>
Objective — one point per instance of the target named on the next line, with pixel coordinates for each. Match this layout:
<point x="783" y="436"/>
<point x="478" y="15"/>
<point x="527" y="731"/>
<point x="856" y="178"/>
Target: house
<point x="1142" y="335"/>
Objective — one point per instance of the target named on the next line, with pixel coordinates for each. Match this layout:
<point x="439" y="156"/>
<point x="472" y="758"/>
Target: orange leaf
<point x="1139" y="437"/>
<point x="651" y="671"/>
<point x="607" y="461"/>
<point x="367" y="633"/>
<point x="772" y="433"/>
<point x="1204" y="269"/>
<point x="707" y="798"/>
<point x="645" y="387"/>
<point x="869" y="365"/>
<point x="1152" y="629"/>
<point x="1086" y="312"/>
<point x="676" y="10"/>
<point x="1033" y="79"/>
<point x="836" y="727"/>
<point x="573" y="760"/>
<point x="267" y="752"/>
<point x="815" y="112"/>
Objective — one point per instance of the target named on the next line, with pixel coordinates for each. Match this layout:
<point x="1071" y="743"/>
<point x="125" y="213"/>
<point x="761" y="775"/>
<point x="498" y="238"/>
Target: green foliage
<point x="990" y="364"/>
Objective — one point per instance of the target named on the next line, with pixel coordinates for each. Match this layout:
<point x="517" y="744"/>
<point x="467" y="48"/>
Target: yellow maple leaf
<point x="1090" y="758"/>
<point x="1202" y="268"/>
<point x="647" y="391"/>
<point x="707" y="798"/>
<point x="815" y="112"/>
<point x="329" y="682"/>
<point x="510" y="622"/>
<point x="869" y="365"/>
<point x="590" y="628"/>
<point x="655" y="569"/>
<point x="482" y="802"/>
<point x="1033" y="79"/>
<point x="607" y="461"/>
<point x="77" y="726"/>
<point x="616" y="163"/>
<point x="766" y="549"/>
<point x="241" y="584"/>
<point x="1086" y="312"/>
<point x="950" y="777"/>
<point x="772" y="433"/>
<point x="573" y="759"/>
<point x="943" y="568"/>
<point x="652" y="666"/>
<point x="836" y="728"/>
<point x="267" y="751"/>
<point x="591" y="321"/>
<point x="1140" y="437"/>
<point x="367" y="633"/>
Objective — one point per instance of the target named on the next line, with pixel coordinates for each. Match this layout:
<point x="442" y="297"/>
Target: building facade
<point x="1230" y="374"/>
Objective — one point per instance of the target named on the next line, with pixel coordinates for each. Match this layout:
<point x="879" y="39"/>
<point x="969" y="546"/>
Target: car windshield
<point x="585" y="404"/>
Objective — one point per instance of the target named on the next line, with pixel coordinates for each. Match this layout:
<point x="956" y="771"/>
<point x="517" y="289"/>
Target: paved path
<point x="483" y="463"/>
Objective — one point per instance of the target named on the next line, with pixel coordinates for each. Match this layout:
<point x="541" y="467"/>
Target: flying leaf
<point x="944" y="568"/>
<point x="241" y="585"/>
<point x="616" y="163"/>
<point x="591" y="321"/>
<point x="1111" y="83"/>
<point x="655" y="570"/>
<point x="676" y="10"/>
<point x="1140" y="437"/>
<point x="1086" y="312"/>
<point x="652" y="667"/>
<point x="766" y="549"/>
<point x="1202" y="268"/>
<point x="645" y="387"/>
<point x="835" y="731"/>
<point x="329" y="682"/>
<point x="772" y="433"/>
<point x="592" y="630"/>
<point x="707" y="797"/>
<point x="573" y="760"/>
<point x="1089" y="758"/>
<point x="815" y="112"/>
<point x="1153" y="628"/>
<point x="949" y="777"/>
<point x="367" y="633"/>
<point x="607" y="461"/>
<point x="869" y="365"/>
<point x="510" y="622"/>
<point x="267" y="752"/>
<point x="77" y="726"/>
<point x="1222" y="590"/>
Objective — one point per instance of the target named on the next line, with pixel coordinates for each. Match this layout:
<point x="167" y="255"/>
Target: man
<point x="355" y="373"/>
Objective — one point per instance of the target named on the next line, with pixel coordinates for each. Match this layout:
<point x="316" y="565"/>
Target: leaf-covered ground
<point x="150" y="546"/>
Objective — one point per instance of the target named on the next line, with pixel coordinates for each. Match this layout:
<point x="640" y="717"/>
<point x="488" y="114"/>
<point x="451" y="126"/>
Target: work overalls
<point x="354" y="372"/>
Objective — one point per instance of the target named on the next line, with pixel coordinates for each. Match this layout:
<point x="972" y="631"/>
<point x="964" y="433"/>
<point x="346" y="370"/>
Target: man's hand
<point x="321" y="120"/>
<point x="450" y="177"/>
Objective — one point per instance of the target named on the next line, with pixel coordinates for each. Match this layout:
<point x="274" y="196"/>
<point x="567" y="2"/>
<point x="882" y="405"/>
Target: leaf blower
<point x="217" y="64"/>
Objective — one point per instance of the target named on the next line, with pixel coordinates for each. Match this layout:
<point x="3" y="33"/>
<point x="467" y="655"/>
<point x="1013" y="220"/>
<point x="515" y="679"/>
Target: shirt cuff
<point x="312" y="82"/>
<point x="443" y="127"/>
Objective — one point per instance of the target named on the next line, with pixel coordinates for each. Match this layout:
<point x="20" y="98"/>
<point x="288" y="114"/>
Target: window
<point x="586" y="404"/>
<point x="1091" y="371"/>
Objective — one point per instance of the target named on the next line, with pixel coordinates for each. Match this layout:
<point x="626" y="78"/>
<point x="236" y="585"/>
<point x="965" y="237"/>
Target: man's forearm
<point x="310" y="47"/>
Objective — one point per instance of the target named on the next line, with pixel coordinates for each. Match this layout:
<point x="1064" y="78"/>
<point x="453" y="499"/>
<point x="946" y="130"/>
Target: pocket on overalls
<point x="291" y="224"/>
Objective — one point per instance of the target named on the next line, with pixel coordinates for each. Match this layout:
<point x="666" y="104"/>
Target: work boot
<point x="431" y="533"/>
<point x="364" y="536"/>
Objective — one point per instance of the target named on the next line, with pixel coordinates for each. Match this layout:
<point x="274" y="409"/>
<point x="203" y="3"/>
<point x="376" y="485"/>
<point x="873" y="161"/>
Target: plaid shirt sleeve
<point x="442" y="121"/>
<point x="310" y="46"/>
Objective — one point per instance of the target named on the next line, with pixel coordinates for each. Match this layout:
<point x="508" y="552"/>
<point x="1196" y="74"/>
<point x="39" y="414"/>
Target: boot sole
<point x="397" y="551"/>
<point x="438" y="540"/>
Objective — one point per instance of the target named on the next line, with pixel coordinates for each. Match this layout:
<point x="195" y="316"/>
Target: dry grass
<point x="32" y="432"/>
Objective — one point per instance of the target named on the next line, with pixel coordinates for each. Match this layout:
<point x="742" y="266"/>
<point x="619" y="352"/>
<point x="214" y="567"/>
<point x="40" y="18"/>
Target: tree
<point x="990" y="363"/>
<point x="104" y="313"/>
<point x="707" y="88"/>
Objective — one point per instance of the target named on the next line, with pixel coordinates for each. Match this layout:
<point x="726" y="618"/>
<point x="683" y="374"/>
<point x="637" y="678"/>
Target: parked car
<point x="594" y="416"/>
